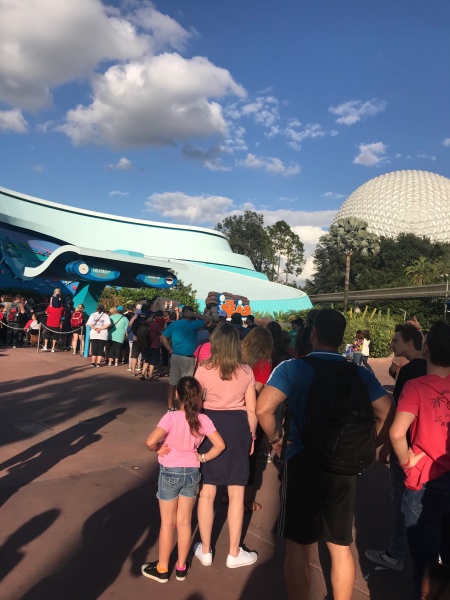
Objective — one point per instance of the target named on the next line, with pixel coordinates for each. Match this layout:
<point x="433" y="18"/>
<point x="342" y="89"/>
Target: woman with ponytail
<point x="176" y="439"/>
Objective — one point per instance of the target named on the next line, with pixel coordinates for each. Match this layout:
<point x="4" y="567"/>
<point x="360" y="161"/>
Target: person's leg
<point x="235" y="516"/>
<point x="74" y="342"/>
<point x="297" y="572"/>
<point x="205" y="515"/>
<point x="168" y="511"/>
<point x="144" y="370"/>
<point x="170" y="395"/>
<point x="398" y="542"/>
<point x="365" y="362"/>
<point x="184" y="530"/>
<point x="342" y="571"/>
<point x="54" y="340"/>
<point x="133" y="366"/>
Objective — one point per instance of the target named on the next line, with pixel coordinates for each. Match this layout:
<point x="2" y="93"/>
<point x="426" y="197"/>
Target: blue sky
<point x="187" y="111"/>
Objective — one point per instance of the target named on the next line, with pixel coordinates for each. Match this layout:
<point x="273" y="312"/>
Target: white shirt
<point x="99" y="320"/>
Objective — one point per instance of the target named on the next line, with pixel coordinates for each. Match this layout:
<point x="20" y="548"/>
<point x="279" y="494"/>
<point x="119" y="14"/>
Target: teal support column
<point x="88" y="293"/>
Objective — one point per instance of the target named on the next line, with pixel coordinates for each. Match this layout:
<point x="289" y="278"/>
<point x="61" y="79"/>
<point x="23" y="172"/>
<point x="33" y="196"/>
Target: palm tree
<point x="351" y="236"/>
<point x="421" y="271"/>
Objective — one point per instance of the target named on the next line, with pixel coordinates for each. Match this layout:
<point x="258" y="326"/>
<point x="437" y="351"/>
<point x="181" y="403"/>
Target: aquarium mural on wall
<point x="19" y="250"/>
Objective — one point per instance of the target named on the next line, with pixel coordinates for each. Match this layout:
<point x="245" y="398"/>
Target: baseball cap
<point x="222" y="313"/>
<point x="119" y="308"/>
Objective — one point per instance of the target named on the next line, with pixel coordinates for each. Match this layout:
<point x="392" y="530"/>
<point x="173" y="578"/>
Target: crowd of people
<point x="247" y="382"/>
<point x="235" y="389"/>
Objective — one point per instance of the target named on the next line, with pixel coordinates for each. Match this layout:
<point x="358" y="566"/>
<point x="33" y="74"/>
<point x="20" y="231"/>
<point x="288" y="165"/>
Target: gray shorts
<point x="180" y="366"/>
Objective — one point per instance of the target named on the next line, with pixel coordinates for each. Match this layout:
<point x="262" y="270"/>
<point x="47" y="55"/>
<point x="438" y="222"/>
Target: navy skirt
<point x="232" y="466"/>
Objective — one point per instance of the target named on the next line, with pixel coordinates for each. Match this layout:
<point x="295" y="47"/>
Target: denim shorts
<point x="178" y="481"/>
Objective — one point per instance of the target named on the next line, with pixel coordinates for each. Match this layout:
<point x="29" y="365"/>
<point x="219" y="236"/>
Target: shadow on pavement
<point x="41" y="457"/>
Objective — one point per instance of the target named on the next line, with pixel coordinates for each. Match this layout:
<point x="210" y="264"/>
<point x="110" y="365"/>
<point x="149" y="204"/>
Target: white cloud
<point x="370" y="154"/>
<point x="332" y="195"/>
<point x="189" y="209"/>
<point x="270" y="164"/>
<point x="122" y="165"/>
<point x="209" y="157"/>
<point x="155" y="101"/>
<point x="37" y="168"/>
<point x="351" y="112"/>
<point x="428" y="156"/>
<point x="263" y="110"/>
<point x="13" y="120"/>
<point x="446" y="142"/>
<point x="63" y="41"/>
<point x="118" y="193"/>
<point x="296" y="136"/>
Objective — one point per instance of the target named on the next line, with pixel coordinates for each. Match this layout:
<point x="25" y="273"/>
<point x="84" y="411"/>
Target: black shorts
<point x="51" y="333"/>
<point x="316" y="505"/>
<point x="98" y="347"/>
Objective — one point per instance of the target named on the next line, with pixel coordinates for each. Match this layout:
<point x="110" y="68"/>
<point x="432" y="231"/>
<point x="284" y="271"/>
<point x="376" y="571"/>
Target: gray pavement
<point x="77" y="494"/>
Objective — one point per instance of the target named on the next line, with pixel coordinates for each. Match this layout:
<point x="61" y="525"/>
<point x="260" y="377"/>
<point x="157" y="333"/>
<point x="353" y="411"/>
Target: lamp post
<point x="446" y="301"/>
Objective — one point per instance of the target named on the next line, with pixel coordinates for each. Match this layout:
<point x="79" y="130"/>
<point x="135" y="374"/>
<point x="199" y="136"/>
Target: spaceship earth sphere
<point x="403" y="202"/>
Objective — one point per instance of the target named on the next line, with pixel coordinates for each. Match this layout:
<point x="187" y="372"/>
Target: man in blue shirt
<point x="315" y="504"/>
<point x="180" y="340"/>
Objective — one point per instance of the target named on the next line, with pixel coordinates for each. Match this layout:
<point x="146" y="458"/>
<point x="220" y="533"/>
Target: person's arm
<point x="384" y="410"/>
<point x="406" y="457"/>
<point x="250" y="404"/>
<point x="218" y="447"/>
<point x="393" y="370"/>
<point x="192" y="315"/>
<point x="155" y="441"/>
<point x="166" y="343"/>
<point x="268" y="401"/>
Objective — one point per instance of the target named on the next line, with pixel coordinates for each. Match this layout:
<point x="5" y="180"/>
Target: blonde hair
<point x="112" y="310"/>
<point x="80" y="307"/>
<point x="226" y="353"/>
<point x="56" y="290"/>
<point x="257" y="346"/>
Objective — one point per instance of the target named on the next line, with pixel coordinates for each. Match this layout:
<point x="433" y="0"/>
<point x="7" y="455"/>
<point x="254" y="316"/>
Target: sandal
<point x="142" y="377"/>
<point x="154" y="378"/>
<point x="252" y="506"/>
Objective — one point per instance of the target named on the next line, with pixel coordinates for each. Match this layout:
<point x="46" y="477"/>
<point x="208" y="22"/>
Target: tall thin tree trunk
<point x="278" y="270"/>
<point x="348" y="257"/>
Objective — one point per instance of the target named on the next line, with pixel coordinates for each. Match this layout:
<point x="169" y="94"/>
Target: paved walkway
<point x="77" y="494"/>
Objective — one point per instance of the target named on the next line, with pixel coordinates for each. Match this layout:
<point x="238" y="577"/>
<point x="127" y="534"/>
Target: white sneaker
<point x="44" y="349"/>
<point x="243" y="559"/>
<point x="129" y="369"/>
<point x="205" y="559"/>
<point x="53" y="349"/>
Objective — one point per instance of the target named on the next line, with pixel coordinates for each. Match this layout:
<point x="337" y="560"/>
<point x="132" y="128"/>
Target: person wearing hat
<point x="180" y="340"/>
<point x="222" y="316"/>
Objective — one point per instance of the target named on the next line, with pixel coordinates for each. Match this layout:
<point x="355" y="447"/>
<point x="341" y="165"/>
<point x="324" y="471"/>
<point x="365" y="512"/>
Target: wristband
<point x="275" y="440"/>
<point x="406" y="464"/>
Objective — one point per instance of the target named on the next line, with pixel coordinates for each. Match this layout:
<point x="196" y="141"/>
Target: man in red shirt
<point x="424" y="411"/>
<point x="53" y="326"/>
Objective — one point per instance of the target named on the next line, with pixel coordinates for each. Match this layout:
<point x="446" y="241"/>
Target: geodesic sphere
<point x="403" y="202"/>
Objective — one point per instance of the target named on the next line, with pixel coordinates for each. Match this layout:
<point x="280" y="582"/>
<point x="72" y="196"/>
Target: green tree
<point x="287" y="247"/>
<point x="421" y="271"/>
<point x="246" y="235"/>
<point x="348" y="237"/>
<point x="181" y="292"/>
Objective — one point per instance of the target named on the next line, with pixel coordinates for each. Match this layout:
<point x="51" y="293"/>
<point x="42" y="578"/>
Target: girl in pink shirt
<point x="176" y="439"/>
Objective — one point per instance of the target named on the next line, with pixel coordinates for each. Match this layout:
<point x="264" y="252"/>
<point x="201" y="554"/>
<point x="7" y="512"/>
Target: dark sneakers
<point x="181" y="575"/>
<point x="150" y="570"/>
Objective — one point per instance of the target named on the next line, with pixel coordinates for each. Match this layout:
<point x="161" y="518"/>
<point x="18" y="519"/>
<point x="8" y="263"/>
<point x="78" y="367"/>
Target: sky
<point x="188" y="111"/>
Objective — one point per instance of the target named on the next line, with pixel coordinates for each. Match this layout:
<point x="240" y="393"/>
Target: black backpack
<point x="143" y="336"/>
<point x="339" y="432"/>
<point x="139" y="320"/>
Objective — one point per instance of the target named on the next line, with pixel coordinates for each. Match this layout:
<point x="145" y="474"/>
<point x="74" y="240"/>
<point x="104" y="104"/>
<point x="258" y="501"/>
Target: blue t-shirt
<point x="183" y="334"/>
<point x="294" y="377"/>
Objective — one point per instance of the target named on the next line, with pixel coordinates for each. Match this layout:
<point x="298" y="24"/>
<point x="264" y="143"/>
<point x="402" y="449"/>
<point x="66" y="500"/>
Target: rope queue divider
<point x="41" y="325"/>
